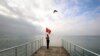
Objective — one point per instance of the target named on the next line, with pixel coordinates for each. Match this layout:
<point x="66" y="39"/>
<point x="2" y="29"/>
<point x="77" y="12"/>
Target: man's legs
<point x="47" y="44"/>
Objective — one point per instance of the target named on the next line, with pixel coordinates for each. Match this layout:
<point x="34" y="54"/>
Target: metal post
<point x="32" y="47"/>
<point x="42" y="41"/>
<point x="83" y="52"/>
<point x="62" y="43"/>
<point x="16" y="51"/>
<point x="67" y="45"/>
<point x="38" y="44"/>
<point x="70" y="48"/>
<point x="35" y="45"/>
<point x="75" y="50"/>
<point x="26" y="49"/>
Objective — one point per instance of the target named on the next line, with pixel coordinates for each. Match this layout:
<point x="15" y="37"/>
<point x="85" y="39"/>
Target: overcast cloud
<point x="74" y="17"/>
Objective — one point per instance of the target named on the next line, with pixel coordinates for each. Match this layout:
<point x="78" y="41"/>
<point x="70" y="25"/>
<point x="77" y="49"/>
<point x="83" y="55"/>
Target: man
<point x="48" y="31"/>
<point x="47" y="39"/>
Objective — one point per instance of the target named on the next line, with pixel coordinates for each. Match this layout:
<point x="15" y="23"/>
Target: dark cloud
<point x="10" y="27"/>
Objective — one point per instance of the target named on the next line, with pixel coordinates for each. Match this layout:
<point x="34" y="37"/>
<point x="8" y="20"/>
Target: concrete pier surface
<point x="52" y="51"/>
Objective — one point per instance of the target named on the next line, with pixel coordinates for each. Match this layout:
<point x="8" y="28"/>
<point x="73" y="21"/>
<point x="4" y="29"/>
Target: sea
<point x="91" y="43"/>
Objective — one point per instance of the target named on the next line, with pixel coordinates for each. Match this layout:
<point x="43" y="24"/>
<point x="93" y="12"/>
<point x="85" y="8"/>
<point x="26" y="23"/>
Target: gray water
<point x="91" y="43"/>
<point x="15" y="32"/>
<point x="10" y="42"/>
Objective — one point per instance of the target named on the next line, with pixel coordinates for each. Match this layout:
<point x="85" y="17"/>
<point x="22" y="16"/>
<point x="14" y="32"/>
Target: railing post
<point x="26" y="49"/>
<point x="67" y="45"/>
<point x="32" y="47"/>
<point x="83" y="52"/>
<point x="62" y="44"/>
<point x="70" y="48"/>
<point x="39" y="43"/>
<point x="35" y="45"/>
<point x="42" y="42"/>
<point x="75" y="50"/>
<point x="15" y="51"/>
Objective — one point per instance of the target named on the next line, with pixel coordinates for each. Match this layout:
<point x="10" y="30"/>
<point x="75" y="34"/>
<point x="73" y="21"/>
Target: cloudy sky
<point x="74" y="17"/>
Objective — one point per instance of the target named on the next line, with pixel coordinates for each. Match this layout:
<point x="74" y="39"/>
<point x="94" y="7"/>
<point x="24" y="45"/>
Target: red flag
<point x="48" y="30"/>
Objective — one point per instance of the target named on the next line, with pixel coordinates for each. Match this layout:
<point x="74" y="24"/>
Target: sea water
<point x="91" y="43"/>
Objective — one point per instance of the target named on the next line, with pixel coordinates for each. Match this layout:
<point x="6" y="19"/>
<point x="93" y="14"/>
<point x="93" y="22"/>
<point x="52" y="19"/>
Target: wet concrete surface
<point x="52" y="51"/>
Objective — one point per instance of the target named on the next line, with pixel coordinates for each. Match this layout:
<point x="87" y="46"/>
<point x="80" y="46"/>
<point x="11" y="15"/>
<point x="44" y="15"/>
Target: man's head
<point x="47" y="35"/>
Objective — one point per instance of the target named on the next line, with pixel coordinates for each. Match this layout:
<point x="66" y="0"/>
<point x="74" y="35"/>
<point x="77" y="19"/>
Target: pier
<point x="36" y="48"/>
<point x="52" y="51"/>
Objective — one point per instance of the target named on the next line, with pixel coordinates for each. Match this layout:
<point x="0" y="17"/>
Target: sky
<point x="74" y="17"/>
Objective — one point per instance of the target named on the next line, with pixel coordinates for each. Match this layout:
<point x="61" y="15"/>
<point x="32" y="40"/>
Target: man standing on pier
<point x="48" y="31"/>
<point x="47" y="39"/>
